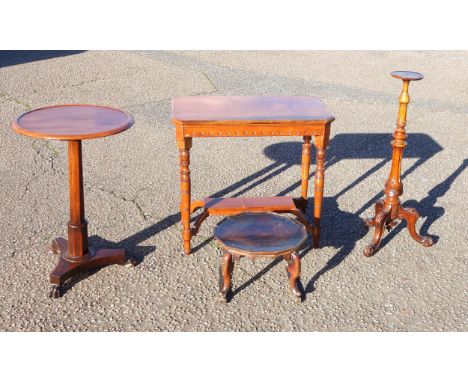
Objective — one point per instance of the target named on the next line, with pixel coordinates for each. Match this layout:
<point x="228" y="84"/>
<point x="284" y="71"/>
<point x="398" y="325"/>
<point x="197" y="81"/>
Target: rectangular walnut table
<point x="250" y="116"/>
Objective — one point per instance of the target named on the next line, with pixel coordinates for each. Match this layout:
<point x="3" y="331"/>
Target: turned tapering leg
<point x="225" y="275"/>
<point x="411" y="216"/>
<point x="305" y="168"/>
<point x="294" y="272"/>
<point x="77" y="226"/>
<point x="319" y="180"/>
<point x="185" y="192"/>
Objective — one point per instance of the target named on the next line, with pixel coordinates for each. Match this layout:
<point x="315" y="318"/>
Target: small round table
<point x="265" y="235"/>
<point x="73" y="123"/>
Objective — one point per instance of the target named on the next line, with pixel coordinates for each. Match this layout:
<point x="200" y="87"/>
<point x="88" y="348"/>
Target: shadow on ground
<point x="341" y="229"/>
<point x="15" y="57"/>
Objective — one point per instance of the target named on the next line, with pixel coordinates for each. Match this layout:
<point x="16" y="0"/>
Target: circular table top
<point x="407" y="76"/>
<point x="72" y="122"/>
<point x="260" y="234"/>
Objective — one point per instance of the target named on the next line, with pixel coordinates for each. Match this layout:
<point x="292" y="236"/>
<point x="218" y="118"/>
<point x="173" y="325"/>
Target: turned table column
<point x="74" y="123"/>
<point x="389" y="209"/>
<point x="77" y="226"/>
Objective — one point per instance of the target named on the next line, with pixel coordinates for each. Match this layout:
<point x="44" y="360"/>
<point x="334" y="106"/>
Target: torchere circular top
<point x="260" y="234"/>
<point x="407" y="76"/>
<point x="72" y="122"/>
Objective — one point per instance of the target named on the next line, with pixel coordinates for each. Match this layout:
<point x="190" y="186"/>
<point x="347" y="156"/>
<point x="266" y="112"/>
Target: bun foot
<point x="55" y="291"/>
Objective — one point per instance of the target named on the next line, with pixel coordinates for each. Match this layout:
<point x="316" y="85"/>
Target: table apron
<point x="254" y="130"/>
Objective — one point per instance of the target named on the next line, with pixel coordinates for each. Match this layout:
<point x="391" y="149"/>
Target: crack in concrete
<point x="41" y="158"/>
<point x="132" y="200"/>
<point x="215" y="87"/>
<point x="45" y="153"/>
<point x="8" y="97"/>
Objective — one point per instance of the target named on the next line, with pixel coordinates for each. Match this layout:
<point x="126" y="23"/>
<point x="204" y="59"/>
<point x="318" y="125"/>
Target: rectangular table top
<point x="245" y="109"/>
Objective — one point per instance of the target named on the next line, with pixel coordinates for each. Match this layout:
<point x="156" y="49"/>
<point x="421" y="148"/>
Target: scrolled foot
<point x="294" y="272"/>
<point x="379" y="222"/>
<point x="411" y="215"/>
<point x="296" y="293"/>
<point x="427" y="241"/>
<point x="225" y="276"/>
<point x="55" y="291"/>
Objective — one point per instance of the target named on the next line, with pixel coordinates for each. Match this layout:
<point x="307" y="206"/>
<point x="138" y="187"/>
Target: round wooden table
<point x="262" y="234"/>
<point x="74" y="123"/>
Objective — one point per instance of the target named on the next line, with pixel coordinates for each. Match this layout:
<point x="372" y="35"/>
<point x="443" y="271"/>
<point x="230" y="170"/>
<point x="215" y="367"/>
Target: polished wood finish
<point x="407" y="76"/>
<point x="65" y="121"/>
<point x="264" y="234"/>
<point x="251" y="116"/>
<point x="389" y="209"/>
<point x="69" y="266"/>
<point x="233" y="206"/>
<point x="260" y="235"/>
<point x="225" y="275"/>
<point x="77" y="226"/>
<point x="294" y="273"/>
<point x="305" y="168"/>
<point x="72" y="122"/>
<point x="219" y="110"/>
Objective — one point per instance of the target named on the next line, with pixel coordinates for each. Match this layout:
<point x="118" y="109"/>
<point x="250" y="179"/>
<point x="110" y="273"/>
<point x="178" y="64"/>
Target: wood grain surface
<point x="72" y="122"/>
<point x="220" y="109"/>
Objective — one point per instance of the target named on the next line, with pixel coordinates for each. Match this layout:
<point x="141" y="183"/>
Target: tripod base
<point x="68" y="267"/>
<point x="383" y="218"/>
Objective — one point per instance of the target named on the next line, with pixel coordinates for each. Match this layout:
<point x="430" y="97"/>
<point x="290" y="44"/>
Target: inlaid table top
<point x="249" y="109"/>
<point x="72" y="122"/>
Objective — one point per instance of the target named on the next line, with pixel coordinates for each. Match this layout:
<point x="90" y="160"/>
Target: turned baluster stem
<point x="393" y="186"/>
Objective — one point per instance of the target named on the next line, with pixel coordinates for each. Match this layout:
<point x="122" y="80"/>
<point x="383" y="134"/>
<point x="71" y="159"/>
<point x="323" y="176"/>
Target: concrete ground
<point x="132" y="194"/>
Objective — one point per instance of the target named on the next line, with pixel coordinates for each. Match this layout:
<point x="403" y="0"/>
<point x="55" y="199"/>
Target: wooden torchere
<point x="388" y="209"/>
